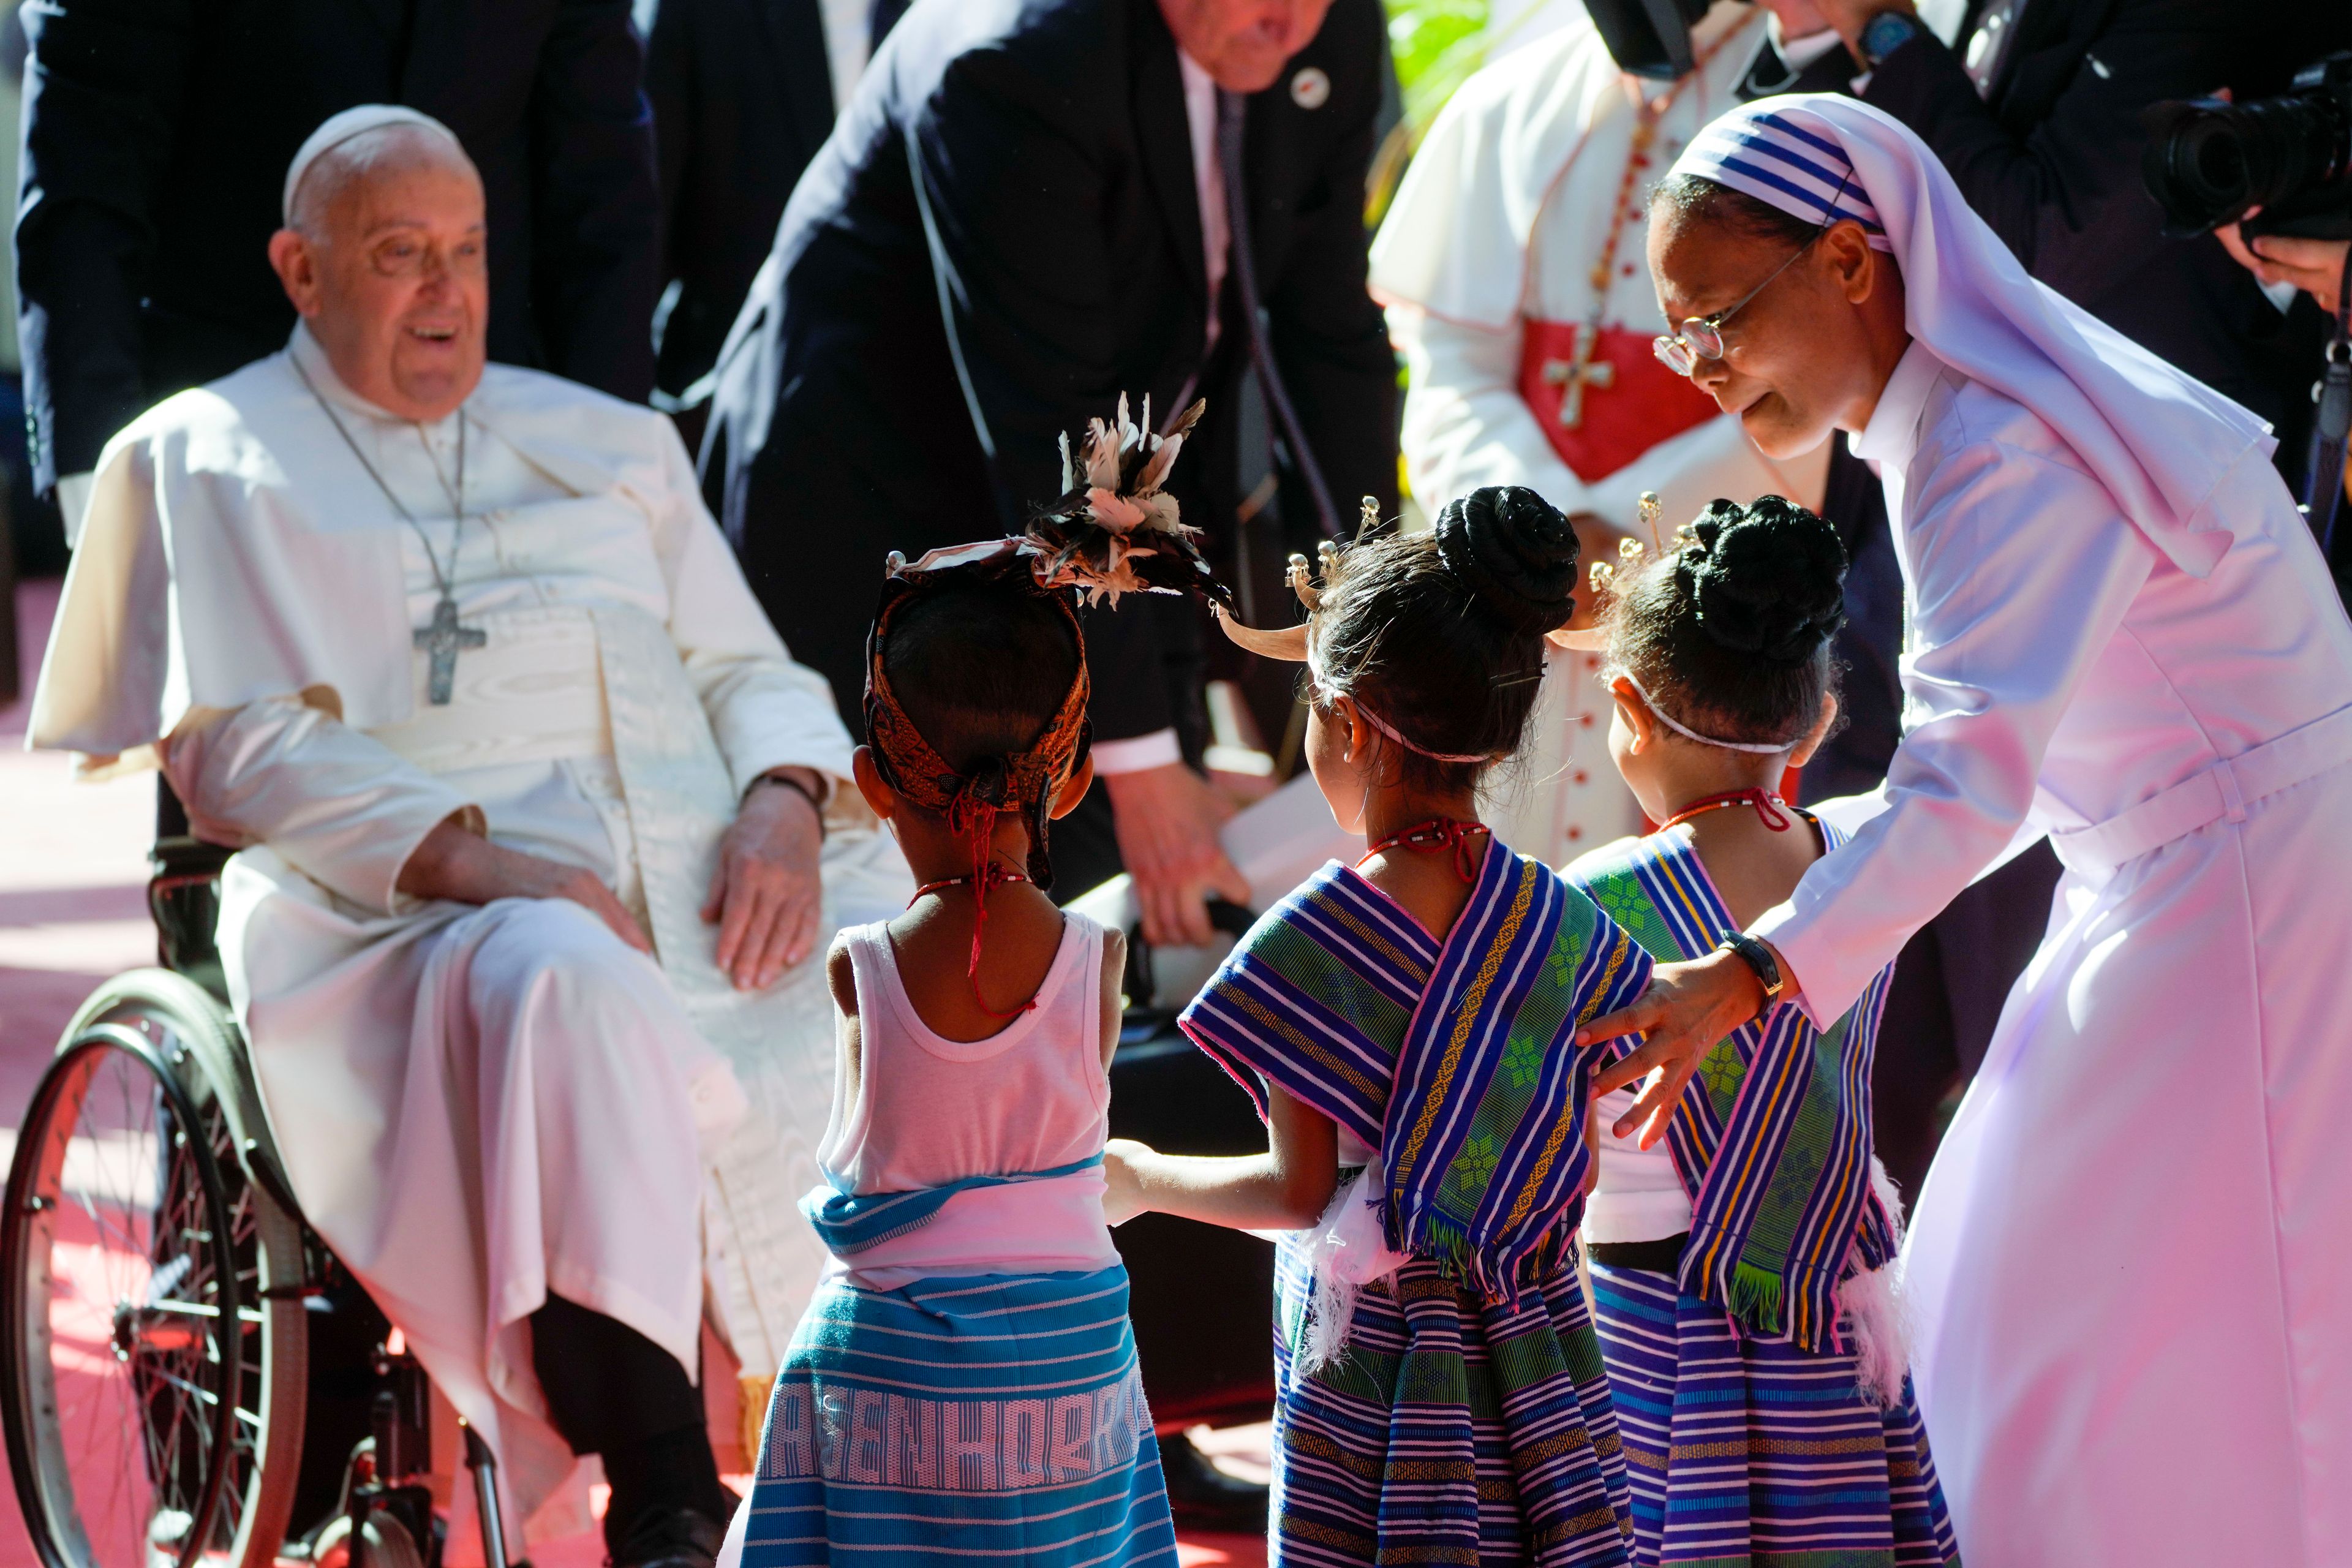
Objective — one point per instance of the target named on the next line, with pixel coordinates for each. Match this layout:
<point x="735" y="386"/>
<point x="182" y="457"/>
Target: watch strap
<point x="1758" y="957"/>
<point x="786" y="782"/>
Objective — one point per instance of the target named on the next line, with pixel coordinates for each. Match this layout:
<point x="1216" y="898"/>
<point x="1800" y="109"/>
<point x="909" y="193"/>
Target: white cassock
<point x="1523" y="372"/>
<point x="2130" y="1267"/>
<point x="476" y="1105"/>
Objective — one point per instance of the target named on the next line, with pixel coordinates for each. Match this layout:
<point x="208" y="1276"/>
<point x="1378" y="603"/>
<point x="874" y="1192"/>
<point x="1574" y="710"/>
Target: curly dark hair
<point x="1730" y="634"/>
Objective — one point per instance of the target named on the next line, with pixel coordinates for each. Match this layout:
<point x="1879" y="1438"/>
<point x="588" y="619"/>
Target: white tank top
<point x="929" y="1111"/>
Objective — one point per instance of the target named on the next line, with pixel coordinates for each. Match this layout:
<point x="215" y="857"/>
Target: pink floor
<point x="72" y="911"/>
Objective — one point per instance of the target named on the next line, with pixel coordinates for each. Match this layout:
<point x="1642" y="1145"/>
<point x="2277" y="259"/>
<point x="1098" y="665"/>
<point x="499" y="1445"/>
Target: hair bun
<point x="1768" y="578"/>
<point x="1515" y="552"/>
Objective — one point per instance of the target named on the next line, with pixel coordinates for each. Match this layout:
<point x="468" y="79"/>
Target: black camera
<point x="2209" y="161"/>
<point x="1648" y="37"/>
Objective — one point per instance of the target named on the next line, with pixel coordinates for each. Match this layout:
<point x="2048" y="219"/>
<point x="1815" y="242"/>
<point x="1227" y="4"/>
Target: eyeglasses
<point x="1702" y="336"/>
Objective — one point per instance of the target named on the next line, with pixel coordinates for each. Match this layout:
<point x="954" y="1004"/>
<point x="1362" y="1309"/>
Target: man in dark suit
<point x="743" y="94"/>
<point x="1007" y="232"/>
<point x="157" y="134"/>
<point x="2037" y="115"/>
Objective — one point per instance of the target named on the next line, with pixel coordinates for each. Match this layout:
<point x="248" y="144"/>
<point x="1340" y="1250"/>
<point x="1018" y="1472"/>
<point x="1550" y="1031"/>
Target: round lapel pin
<point x="1311" y="88"/>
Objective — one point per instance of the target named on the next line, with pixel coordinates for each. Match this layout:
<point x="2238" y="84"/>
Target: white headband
<point x="341" y="127"/>
<point x="1761" y="748"/>
<point x="1324" y="687"/>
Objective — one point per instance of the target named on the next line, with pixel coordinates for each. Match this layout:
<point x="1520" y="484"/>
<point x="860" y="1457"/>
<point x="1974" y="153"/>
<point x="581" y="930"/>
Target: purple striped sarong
<point x="1467" y="1420"/>
<point x="1750" y="1451"/>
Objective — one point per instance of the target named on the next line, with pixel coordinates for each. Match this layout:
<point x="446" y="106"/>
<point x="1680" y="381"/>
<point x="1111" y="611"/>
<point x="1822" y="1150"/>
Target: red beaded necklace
<point x="990" y="874"/>
<point x="1438" y="832"/>
<point x="1769" y="808"/>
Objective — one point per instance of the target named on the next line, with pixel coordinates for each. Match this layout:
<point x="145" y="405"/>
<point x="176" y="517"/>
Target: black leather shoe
<point x="1204" y="1497"/>
<point x="671" y="1538"/>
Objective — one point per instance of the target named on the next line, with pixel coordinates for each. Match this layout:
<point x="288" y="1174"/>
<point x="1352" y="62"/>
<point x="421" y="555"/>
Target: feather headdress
<point x="1115" y="529"/>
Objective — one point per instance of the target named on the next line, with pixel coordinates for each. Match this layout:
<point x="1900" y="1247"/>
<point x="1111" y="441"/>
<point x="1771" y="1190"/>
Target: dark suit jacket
<point x="157" y="134"/>
<point x="1057" y="169"/>
<point x="2053" y="163"/>
<point x="743" y="98"/>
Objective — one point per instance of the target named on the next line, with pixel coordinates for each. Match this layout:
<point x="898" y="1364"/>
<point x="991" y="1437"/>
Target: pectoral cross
<point x="442" y="639"/>
<point x="1584" y="370"/>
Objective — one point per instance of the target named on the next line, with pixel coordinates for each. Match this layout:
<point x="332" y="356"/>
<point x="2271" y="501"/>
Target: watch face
<point x="1885" y="33"/>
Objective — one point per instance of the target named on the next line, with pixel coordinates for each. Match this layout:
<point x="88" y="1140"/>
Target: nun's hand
<point x="1685" y="1010"/>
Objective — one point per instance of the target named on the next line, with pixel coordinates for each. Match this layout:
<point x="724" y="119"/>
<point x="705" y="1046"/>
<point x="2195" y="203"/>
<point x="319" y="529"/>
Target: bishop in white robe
<point x="1511" y="266"/>
<point x="354" y="637"/>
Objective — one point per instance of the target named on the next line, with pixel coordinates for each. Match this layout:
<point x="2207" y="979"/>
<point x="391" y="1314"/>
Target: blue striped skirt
<point x="1452" y="1431"/>
<point x="1752" y="1452"/>
<point x="960" y="1420"/>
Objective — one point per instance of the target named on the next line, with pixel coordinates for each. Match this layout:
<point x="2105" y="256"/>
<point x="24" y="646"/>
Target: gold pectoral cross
<point x="442" y="639"/>
<point x="1575" y="373"/>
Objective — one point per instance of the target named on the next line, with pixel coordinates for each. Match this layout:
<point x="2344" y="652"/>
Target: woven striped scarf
<point x="1452" y="1058"/>
<point x="1772" y="1140"/>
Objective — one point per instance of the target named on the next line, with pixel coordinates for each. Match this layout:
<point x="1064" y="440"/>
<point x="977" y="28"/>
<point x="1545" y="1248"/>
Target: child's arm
<point x="1285" y="1188"/>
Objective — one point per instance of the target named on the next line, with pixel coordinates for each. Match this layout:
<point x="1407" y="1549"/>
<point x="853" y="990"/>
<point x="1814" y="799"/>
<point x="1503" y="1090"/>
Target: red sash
<point x="1630" y="402"/>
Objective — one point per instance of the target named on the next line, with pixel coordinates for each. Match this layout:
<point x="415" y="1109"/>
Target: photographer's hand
<point x="2313" y="266"/>
<point x="1851" y="17"/>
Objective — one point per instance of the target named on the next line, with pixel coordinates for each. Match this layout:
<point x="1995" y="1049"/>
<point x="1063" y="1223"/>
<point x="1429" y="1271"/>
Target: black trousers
<point x="614" y="1393"/>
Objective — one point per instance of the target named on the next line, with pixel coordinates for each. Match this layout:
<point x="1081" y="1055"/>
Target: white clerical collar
<point x="305" y="351"/>
<point x="1893" y="433"/>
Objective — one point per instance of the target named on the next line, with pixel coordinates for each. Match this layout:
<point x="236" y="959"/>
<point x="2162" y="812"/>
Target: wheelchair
<point x="169" y="1325"/>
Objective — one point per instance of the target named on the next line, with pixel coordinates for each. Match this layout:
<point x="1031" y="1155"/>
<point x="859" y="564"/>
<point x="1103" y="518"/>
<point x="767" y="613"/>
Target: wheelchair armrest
<point x="184" y="898"/>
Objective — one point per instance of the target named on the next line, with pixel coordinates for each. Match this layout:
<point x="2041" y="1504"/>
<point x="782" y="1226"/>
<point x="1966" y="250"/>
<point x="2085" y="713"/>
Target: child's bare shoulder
<point x="841" y="977"/>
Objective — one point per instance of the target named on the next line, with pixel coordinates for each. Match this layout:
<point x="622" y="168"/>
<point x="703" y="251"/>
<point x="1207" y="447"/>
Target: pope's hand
<point x="467" y="868"/>
<point x="765" y="895"/>
<point x="1122" y="1188"/>
<point x="1685" y="1010"/>
<point x="1167" y="820"/>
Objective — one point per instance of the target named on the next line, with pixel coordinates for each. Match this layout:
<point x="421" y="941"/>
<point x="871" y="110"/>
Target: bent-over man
<point x="528" y="794"/>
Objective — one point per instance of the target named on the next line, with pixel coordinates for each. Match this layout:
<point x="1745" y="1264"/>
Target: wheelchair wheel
<point x="151" y="1321"/>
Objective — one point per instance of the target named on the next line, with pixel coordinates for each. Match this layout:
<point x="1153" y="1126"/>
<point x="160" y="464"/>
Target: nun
<point x="2130" y="1270"/>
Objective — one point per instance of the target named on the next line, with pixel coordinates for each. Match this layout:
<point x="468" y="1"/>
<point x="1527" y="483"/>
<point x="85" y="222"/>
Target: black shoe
<point x="1202" y="1496"/>
<point x="670" y="1538"/>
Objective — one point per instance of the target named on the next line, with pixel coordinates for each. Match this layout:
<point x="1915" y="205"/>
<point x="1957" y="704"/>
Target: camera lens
<point x="2207" y="162"/>
<point x="2289" y="144"/>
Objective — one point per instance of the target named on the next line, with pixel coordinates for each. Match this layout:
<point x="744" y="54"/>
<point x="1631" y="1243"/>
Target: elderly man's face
<point x="1244" y="44"/>
<point x="394" y="283"/>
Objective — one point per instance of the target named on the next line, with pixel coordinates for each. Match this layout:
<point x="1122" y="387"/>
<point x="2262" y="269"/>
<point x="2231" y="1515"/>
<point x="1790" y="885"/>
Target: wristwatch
<point x="1758" y="957"/>
<point x="1885" y="33"/>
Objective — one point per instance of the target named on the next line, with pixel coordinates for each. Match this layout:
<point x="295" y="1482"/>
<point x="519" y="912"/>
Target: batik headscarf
<point x="1114" y="531"/>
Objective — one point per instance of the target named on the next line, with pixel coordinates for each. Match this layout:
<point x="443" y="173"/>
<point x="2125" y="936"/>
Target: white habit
<point x="2130" y="1268"/>
<point x="1487" y="264"/>
<point x="476" y="1105"/>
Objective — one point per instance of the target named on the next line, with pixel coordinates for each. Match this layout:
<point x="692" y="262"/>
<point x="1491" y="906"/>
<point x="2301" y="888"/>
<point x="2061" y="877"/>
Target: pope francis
<point x="529" y="800"/>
